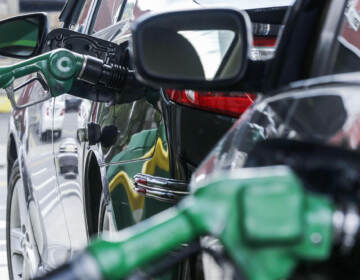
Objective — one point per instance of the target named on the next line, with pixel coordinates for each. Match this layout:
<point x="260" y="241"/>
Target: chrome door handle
<point x="163" y="189"/>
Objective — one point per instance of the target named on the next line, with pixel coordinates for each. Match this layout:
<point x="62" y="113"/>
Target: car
<point x="72" y="103"/>
<point x="51" y="119"/>
<point x="161" y="134"/>
<point x="67" y="158"/>
<point x="308" y="119"/>
<point x="314" y="104"/>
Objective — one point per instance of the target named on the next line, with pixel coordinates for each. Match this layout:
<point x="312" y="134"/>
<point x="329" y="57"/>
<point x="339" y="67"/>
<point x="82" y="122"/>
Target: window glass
<point x="83" y="15"/>
<point x="348" y="54"/>
<point x="128" y="10"/>
<point x="107" y="14"/>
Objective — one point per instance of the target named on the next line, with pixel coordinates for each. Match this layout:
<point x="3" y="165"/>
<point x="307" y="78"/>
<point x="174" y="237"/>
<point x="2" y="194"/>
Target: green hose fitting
<point x="264" y="218"/>
<point x="63" y="64"/>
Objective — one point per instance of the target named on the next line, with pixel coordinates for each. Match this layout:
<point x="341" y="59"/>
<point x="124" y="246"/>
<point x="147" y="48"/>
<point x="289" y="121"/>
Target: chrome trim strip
<point x="83" y="67"/>
<point x="163" y="189"/>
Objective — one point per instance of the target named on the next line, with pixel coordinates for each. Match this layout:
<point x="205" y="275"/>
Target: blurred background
<point x="9" y="8"/>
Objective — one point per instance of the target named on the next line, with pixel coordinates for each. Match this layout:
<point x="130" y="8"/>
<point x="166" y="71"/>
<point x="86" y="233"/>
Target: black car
<point x="308" y="119"/>
<point x="132" y="136"/>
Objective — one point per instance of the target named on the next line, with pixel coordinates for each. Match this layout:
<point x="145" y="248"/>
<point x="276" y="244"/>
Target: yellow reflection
<point x="160" y="160"/>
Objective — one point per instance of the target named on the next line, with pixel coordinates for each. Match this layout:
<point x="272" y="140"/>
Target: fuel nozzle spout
<point x="96" y="72"/>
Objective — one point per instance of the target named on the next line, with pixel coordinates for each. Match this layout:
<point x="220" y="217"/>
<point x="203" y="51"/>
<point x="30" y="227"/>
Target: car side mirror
<point x="23" y="36"/>
<point x="198" y="49"/>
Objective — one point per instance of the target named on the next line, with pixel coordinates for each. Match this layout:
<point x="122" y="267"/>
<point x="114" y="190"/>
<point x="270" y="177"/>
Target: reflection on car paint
<point x="67" y="158"/>
<point x="68" y="164"/>
<point x="120" y="176"/>
<point x="42" y="193"/>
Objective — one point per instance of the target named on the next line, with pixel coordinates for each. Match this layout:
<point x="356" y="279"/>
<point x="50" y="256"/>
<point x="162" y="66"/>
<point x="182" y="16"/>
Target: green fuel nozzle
<point x="61" y="67"/>
<point x="264" y="218"/>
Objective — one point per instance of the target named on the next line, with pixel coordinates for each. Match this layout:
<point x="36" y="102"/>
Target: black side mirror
<point x="198" y="49"/>
<point x="23" y="36"/>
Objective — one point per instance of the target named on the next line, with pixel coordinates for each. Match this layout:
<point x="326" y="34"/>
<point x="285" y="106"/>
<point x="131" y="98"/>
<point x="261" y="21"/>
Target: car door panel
<point x="53" y="205"/>
<point x="129" y="206"/>
<point x="140" y="147"/>
<point x="39" y="175"/>
<point x="70" y="114"/>
<point x="68" y="160"/>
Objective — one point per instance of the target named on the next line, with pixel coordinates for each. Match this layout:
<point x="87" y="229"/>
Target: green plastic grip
<point x="142" y="243"/>
<point x="264" y="218"/>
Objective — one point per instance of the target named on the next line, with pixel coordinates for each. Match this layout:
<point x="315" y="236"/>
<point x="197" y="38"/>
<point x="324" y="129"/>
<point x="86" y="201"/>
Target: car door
<point x="34" y="125"/>
<point x="68" y="115"/>
<point x="140" y="145"/>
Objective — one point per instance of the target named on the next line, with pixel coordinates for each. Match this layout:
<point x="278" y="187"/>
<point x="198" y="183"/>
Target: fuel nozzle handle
<point x="61" y="67"/>
<point x="264" y="218"/>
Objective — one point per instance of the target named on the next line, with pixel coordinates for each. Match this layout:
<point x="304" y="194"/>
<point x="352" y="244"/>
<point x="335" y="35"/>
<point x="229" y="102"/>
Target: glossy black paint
<point x="306" y="34"/>
<point x="192" y="133"/>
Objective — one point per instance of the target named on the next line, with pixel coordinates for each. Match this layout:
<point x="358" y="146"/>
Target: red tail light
<point x="233" y="104"/>
<point x="264" y="41"/>
<point x="47" y="111"/>
<point x="62" y="112"/>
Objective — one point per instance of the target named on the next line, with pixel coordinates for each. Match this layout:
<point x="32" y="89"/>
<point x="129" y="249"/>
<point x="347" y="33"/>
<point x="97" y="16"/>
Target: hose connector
<point x="95" y="72"/>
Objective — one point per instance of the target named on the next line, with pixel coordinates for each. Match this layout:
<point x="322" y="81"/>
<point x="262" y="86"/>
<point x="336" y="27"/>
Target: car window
<point x="107" y="14"/>
<point x="128" y="10"/>
<point x="347" y="57"/>
<point x="83" y="16"/>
